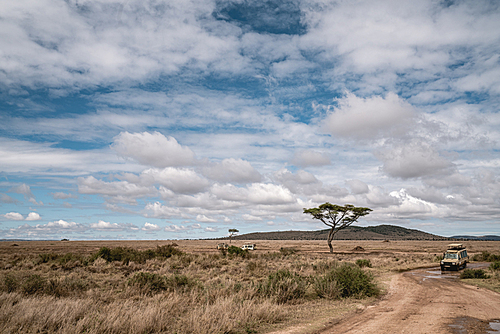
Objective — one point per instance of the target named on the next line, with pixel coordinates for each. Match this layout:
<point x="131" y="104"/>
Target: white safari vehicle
<point x="248" y="246"/>
<point x="222" y="246"/>
<point x="455" y="257"/>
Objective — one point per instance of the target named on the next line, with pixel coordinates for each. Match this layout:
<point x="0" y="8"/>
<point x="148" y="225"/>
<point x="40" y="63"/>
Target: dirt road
<point x="424" y="301"/>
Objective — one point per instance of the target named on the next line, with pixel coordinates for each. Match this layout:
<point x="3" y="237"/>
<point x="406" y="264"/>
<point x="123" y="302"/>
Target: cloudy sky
<point x="185" y="118"/>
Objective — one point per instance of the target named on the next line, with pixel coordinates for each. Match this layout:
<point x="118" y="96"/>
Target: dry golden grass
<point x="56" y="287"/>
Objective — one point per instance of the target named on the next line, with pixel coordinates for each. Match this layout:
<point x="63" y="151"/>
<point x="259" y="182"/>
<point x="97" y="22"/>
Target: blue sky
<point x="183" y="119"/>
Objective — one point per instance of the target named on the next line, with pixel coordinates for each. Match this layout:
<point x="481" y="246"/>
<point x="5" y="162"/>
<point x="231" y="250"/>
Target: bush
<point x="486" y="257"/>
<point x="495" y="266"/>
<point x="122" y="254"/>
<point x="37" y="285"/>
<point x="283" y="286"/>
<point x="152" y="282"/>
<point x="352" y="281"/>
<point x="363" y="263"/>
<point x="237" y="251"/>
<point x="125" y="254"/>
<point x="474" y="273"/>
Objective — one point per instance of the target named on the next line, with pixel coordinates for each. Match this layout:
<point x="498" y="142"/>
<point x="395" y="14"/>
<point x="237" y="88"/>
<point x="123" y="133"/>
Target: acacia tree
<point x="337" y="217"/>
<point x="232" y="231"/>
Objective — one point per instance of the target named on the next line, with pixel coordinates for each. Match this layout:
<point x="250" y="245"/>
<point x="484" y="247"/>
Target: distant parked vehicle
<point x="222" y="246"/>
<point x="248" y="247"/>
<point x="455" y="257"/>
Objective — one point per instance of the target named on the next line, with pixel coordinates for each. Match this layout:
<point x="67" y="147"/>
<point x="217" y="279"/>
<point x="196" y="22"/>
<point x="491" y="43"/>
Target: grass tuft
<point x="495" y="266"/>
<point x="474" y="273"/>
<point x="352" y="281"/>
<point x="363" y="263"/>
<point x="283" y="286"/>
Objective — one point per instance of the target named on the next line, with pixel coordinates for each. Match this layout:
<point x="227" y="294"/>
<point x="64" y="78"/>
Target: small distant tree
<point x="337" y="217"/>
<point x="232" y="231"/>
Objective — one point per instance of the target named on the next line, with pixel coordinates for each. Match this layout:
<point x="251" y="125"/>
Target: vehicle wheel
<point x="442" y="268"/>
<point x="465" y="265"/>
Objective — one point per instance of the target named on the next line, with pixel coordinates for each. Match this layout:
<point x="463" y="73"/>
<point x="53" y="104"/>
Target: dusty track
<point x="424" y="301"/>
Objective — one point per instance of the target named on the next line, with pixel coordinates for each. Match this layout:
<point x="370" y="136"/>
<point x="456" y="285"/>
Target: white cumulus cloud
<point x="153" y="149"/>
<point x="13" y="216"/>
<point x="33" y="216"/>
<point x="151" y="227"/>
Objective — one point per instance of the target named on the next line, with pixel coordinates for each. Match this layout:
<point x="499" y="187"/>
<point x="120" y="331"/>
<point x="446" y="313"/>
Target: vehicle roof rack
<point x="456" y="246"/>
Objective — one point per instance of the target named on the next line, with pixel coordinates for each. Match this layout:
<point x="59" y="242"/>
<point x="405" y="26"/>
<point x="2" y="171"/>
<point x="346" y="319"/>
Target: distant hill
<point x="380" y="232"/>
<point x="483" y="237"/>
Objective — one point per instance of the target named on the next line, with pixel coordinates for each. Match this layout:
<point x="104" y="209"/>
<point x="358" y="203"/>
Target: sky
<point x="182" y="119"/>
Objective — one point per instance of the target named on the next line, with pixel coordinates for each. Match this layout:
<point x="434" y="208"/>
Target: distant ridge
<point x="483" y="237"/>
<point x="380" y="232"/>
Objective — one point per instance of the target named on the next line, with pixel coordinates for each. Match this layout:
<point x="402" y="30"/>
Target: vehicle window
<point x="450" y="256"/>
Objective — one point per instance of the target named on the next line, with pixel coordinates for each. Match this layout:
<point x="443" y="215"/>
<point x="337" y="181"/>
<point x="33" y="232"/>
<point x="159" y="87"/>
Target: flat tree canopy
<point x="337" y="217"/>
<point x="232" y="231"/>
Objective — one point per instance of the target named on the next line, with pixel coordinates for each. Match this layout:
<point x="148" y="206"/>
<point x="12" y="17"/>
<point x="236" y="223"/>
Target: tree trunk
<point x="330" y="238"/>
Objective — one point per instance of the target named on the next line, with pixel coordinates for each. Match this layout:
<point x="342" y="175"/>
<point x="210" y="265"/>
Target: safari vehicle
<point x="249" y="247"/>
<point x="455" y="257"/>
<point x="222" y="246"/>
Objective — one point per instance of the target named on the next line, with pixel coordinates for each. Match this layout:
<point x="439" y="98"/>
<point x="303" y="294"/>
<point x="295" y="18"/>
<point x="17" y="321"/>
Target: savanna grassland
<point x="189" y="286"/>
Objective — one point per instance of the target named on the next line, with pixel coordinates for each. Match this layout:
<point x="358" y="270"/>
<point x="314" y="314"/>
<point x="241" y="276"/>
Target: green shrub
<point x="237" y="251"/>
<point x="495" y="266"/>
<point x="352" y="281"/>
<point x="474" y="273"/>
<point x="493" y="258"/>
<point x="486" y="257"/>
<point x="363" y="263"/>
<point x="125" y="254"/>
<point x="283" y="286"/>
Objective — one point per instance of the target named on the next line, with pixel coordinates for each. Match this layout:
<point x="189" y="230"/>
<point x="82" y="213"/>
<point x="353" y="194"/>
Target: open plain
<point x="188" y="286"/>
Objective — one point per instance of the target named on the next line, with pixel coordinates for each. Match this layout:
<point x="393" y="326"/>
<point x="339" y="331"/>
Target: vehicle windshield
<point x="450" y="256"/>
